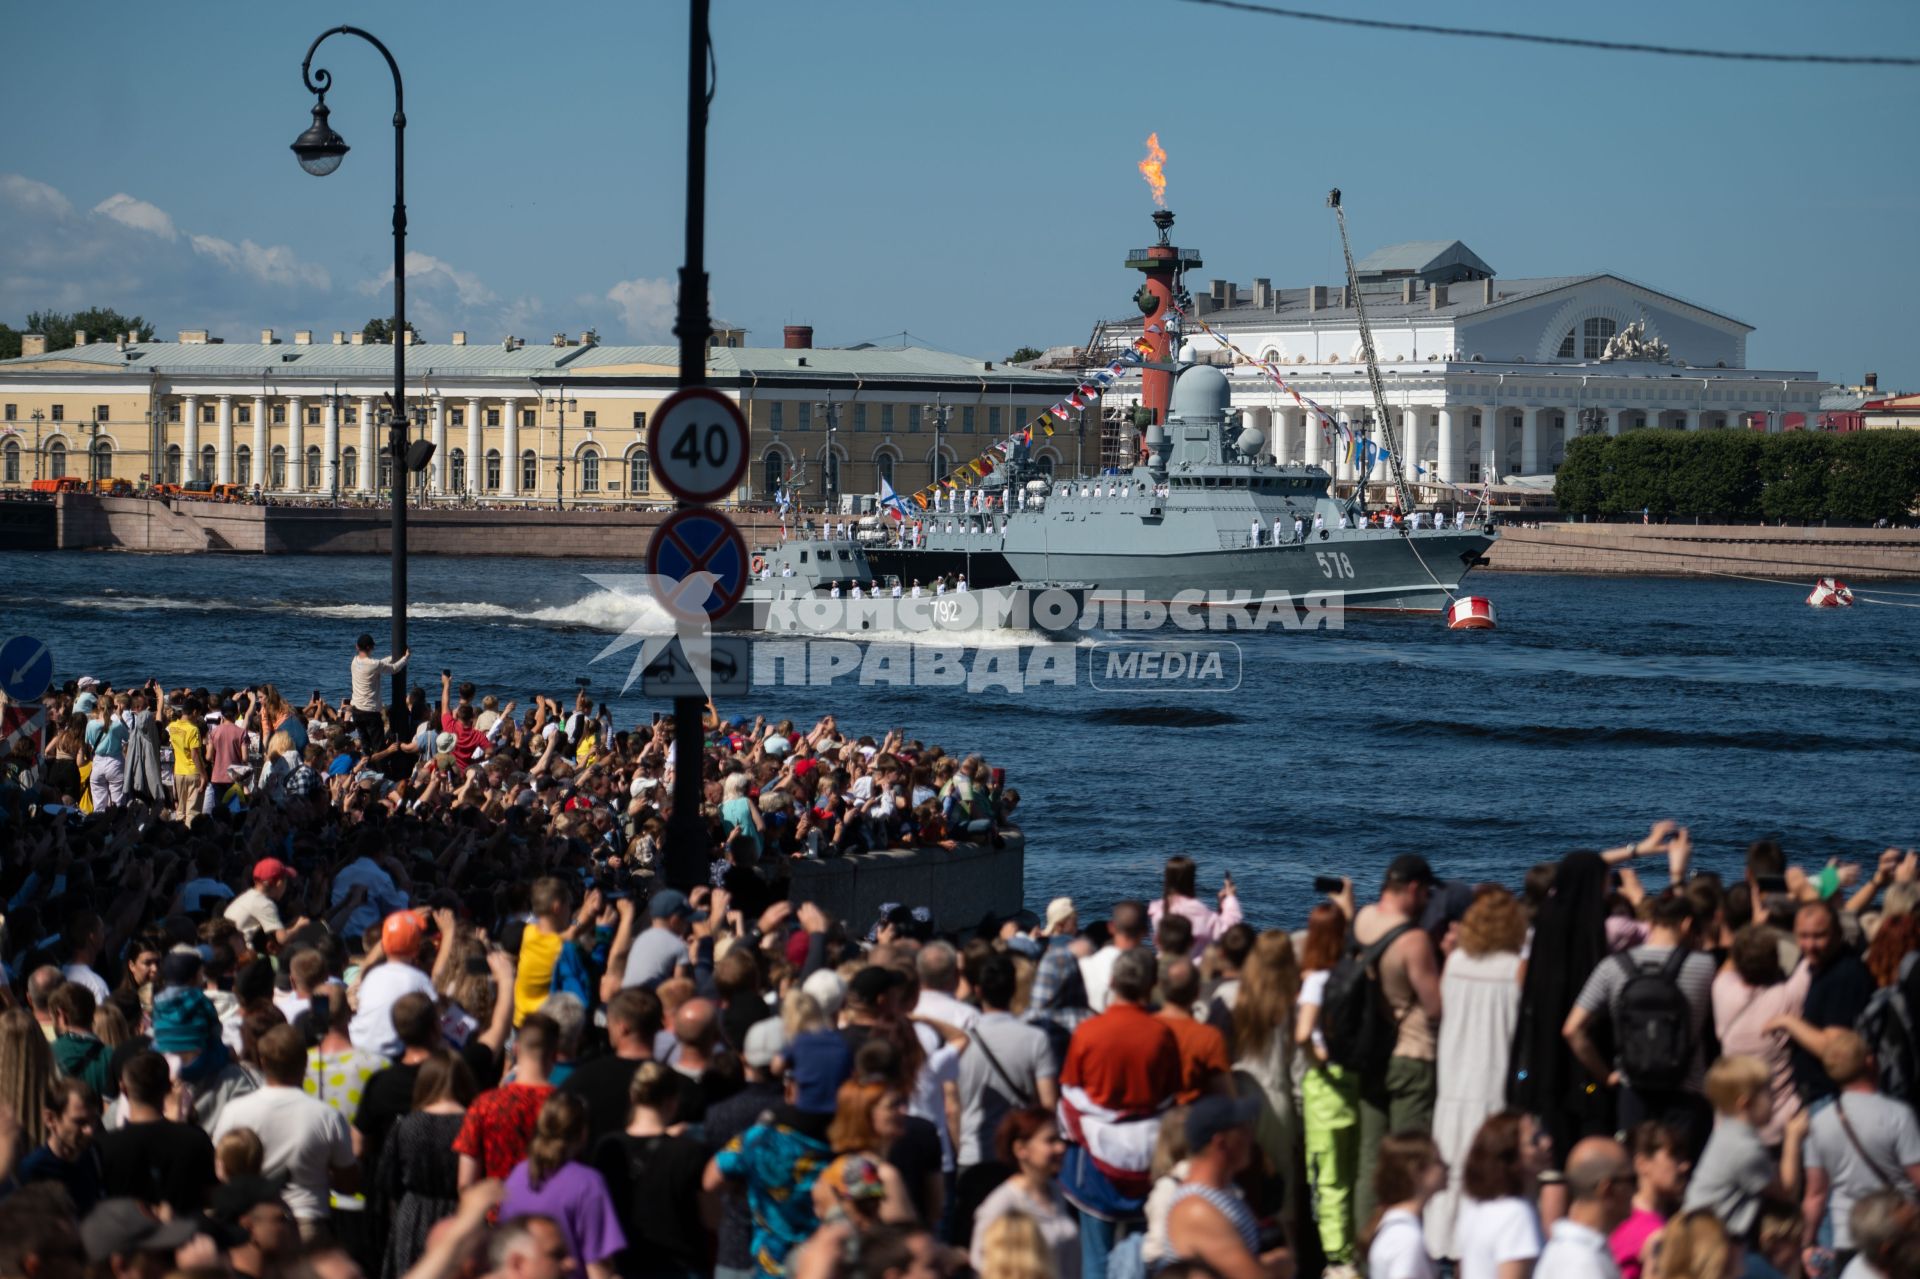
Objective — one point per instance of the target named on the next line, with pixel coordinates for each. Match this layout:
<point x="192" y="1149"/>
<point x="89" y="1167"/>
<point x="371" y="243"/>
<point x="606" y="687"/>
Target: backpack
<point x="1886" y="1023"/>
<point x="1653" y="1023"/>
<point x="1355" y="1019"/>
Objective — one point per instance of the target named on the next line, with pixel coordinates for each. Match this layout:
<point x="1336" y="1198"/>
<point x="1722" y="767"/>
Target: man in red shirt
<point x="469" y="743"/>
<point x="1203" y="1049"/>
<point x="1122" y="1070"/>
<point x="501" y="1120"/>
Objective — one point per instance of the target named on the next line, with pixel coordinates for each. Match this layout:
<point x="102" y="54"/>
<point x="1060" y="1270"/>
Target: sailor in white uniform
<point x="961" y="586"/>
<point x="1439" y="519"/>
<point x="834" y="591"/>
<point x="916" y="588"/>
<point x="1299" y="527"/>
<point x="1277" y="531"/>
<point x="1253" y="534"/>
<point x="856" y="591"/>
<point x="940" y="586"/>
<point x="896" y="588"/>
<point x="1319" y="522"/>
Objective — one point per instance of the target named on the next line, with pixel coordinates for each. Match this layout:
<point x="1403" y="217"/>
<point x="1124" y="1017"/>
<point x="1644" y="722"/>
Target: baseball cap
<point x="873" y="981"/>
<point x="1211" y="1116"/>
<point x="1058" y="912"/>
<point x="123" y="1226"/>
<point x="766" y="1039"/>
<point x="402" y="932"/>
<point x="818" y="1062"/>
<point x="1409" y="868"/>
<point x="268" y="869"/>
<point x="87" y="683"/>
<point x="669" y="902"/>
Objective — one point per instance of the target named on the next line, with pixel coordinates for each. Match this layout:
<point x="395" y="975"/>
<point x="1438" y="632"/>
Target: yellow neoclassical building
<point x="512" y="421"/>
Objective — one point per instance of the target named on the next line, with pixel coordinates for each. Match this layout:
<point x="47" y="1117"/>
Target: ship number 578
<point x="1334" y="563"/>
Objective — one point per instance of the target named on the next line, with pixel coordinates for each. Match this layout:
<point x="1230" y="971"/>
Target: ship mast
<point x="1384" y="419"/>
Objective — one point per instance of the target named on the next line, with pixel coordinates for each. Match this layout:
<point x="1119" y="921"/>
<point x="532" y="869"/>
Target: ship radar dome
<point x="1200" y="392"/>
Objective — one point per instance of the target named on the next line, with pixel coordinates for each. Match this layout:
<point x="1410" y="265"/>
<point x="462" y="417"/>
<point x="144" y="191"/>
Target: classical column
<point x="1316" y="437"/>
<point x="1489" y="446"/>
<point x="1610" y="420"/>
<point x="1689" y="420"/>
<point x="223" y="457"/>
<point x="330" y="447"/>
<point x="190" y="441"/>
<point x="369" y="476"/>
<point x="1530" y="441"/>
<point x="257" y="465"/>
<point x="1342" y="469"/>
<point x="509" y="446"/>
<point x="439" y="444"/>
<point x="1449" y="466"/>
<point x="1409" y="443"/>
<point x="475" y="461"/>
<point x="296" y="441"/>
<point x="1569" y="429"/>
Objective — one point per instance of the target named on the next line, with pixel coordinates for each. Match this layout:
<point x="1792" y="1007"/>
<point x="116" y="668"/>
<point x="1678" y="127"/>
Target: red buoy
<point x="1830" y="592"/>
<point x="1470" y="613"/>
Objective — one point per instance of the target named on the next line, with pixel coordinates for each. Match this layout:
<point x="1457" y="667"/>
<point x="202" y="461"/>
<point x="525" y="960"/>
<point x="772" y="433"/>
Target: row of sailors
<point x="1385" y="519"/>
<point x="873" y="591"/>
<point x="1121" y="488"/>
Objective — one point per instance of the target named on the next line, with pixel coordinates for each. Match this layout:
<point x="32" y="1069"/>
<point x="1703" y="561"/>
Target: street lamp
<point x="940" y="413"/>
<point x="320" y="150"/>
<point x="39" y="451"/>
<point x="829" y="460"/>
<point x="563" y="402"/>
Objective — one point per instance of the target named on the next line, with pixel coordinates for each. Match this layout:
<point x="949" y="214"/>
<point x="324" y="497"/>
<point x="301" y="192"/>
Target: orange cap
<point x="402" y="933"/>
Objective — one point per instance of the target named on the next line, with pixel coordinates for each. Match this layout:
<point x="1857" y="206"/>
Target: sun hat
<point x="444" y="744"/>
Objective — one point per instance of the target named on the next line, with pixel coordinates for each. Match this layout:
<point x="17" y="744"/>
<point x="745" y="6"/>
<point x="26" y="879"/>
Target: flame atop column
<point x="1154" y="169"/>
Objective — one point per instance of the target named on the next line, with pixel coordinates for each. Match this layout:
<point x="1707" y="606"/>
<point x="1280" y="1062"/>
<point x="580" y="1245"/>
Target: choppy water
<point x="1600" y="704"/>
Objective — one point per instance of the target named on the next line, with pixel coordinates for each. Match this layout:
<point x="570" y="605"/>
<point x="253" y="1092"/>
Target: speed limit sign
<point x="697" y="444"/>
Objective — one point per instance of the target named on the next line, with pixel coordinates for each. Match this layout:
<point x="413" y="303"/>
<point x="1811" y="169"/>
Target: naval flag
<point x="891" y="501"/>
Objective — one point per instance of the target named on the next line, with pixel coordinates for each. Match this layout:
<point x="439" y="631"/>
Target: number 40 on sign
<point x="697" y="444"/>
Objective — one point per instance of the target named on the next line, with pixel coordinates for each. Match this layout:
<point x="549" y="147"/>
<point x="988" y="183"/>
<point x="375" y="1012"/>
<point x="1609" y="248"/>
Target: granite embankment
<point x="1688" y="550"/>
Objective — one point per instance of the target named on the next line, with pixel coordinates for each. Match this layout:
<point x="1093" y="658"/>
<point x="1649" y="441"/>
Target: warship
<point x="1203" y="507"/>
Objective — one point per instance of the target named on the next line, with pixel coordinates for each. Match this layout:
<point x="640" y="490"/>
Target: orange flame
<point x="1154" y="169"/>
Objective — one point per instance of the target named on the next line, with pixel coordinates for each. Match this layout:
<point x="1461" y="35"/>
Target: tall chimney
<point x="1316" y="297"/>
<point x="1409" y="290"/>
<point x="33" y="344"/>
<point x="1436" y="297"/>
<point x="79" y="337"/>
<point x="1873" y="381"/>
<point x="799" y="337"/>
<point x="1262" y="293"/>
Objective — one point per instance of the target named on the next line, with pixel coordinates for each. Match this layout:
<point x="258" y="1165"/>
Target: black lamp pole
<point x="320" y="151"/>
<point x="686" y="859"/>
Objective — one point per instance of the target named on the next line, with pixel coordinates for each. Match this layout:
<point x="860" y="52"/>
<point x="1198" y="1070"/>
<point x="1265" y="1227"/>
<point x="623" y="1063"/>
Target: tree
<point x="1576" y="486"/>
<point x="1717" y="473"/>
<point x="380" y="329"/>
<point x="99" y="323"/>
<point x="1794" y="467"/>
<point x="1024" y="354"/>
<point x="1875" y="475"/>
<point x="1639" y="473"/>
<point x="9" y="342"/>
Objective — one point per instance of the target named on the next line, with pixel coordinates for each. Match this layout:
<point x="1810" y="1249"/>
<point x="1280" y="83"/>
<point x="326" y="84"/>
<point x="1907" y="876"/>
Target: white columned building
<point x="1454" y="340"/>
<point x="439" y="411"/>
<point x="190" y="441"/>
<point x="476" y="463"/>
<point x="257" y="459"/>
<point x="296" y="441"/>
<point x="223" y="449"/>
<point x="370" y="451"/>
<point x="330" y="447"/>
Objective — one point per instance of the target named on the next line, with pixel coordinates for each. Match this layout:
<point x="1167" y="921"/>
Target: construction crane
<point x="1381" y="416"/>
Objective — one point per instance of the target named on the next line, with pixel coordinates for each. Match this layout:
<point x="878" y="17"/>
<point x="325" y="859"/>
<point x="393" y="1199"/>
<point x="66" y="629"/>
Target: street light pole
<point x="39" y="450"/>
<point x="938" y="411"/>
<point x="686" y="853"/>
<point x="320" y="151"/>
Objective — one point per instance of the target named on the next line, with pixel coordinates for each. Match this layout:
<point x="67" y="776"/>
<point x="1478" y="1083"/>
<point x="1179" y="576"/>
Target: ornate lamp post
<point x="320" y="151"/>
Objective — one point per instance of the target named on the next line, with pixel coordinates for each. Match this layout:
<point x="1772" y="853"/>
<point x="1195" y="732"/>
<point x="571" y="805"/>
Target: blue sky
<point x="962" y="172"/>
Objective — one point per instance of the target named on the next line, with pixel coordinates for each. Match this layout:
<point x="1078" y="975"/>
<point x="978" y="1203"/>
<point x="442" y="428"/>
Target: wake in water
<point x="601" y="610"/>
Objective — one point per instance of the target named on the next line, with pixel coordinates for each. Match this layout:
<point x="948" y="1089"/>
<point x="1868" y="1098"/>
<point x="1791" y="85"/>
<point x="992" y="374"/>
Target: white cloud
<point x="138" y="214"/>
<point x="33" y="197"/>
<point x="269" y="264"/>
<point x="646" y="306"/>
<point x="430" y="272"/>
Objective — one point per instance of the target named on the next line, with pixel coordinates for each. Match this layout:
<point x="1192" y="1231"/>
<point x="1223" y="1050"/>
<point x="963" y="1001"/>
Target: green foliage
<point x="99" y="323"/>
<point x="1580" y="481"/>
<point x="380" y="329"/>
<point x="1794" y="467"/>
<point x="1024" y="354"/>
<point x="1743" y="475"/>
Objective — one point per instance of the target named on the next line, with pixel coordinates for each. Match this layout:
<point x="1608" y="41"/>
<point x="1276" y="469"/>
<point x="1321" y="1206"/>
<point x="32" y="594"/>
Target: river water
<point x="1599" y="704"/>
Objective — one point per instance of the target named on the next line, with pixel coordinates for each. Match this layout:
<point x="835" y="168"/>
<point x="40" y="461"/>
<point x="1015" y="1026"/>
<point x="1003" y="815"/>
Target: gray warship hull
<point x="1206" y="512"/>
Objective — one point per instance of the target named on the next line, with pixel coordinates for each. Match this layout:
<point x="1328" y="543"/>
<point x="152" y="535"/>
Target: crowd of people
<point x="343" y="989"/>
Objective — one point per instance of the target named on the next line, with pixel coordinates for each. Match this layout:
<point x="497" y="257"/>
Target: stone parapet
<point x="961" y="886"/>
<point x="1685" y="550"/>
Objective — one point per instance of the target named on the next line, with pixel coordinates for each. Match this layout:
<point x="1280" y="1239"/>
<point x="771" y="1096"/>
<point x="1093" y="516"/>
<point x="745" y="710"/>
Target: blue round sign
<point x="26" y="669"/>
<point x="696" y="541"/>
